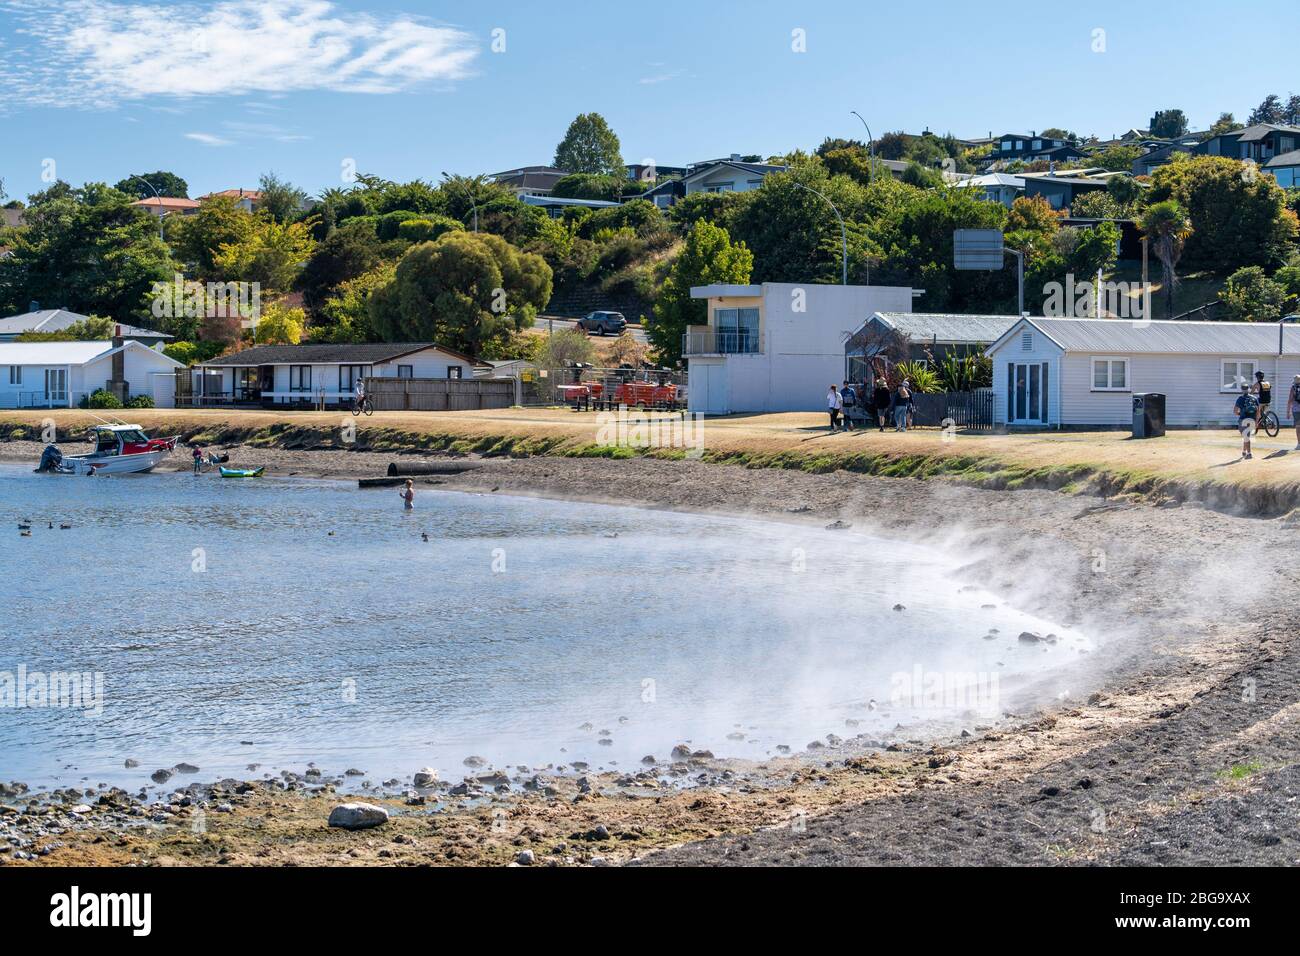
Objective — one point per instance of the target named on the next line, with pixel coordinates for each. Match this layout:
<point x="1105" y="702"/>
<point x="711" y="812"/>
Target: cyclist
<point x="1293" y="407"/>
<point x="359" y="390"/>
<point x="1263" y="392"/>
<point x="1246" y="408"/>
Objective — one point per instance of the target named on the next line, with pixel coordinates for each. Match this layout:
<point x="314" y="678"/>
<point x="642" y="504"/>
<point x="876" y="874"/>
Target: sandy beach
<point x="1179" y="749"/>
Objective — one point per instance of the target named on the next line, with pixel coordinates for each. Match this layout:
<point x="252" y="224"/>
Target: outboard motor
<point x="51" y="459"/>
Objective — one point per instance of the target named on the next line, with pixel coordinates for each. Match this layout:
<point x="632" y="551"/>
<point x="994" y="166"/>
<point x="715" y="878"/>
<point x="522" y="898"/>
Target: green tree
<point x="351" y="250"/>
<point x="589" y="186"/>
<point x="281" y="200"/>
<point x="87" y="249"/>
<point x="1270" y="110"/>
<point x="1226" y="123"/>
<point x="566" y="347"/>
<point x="1250" y="296"/>
<point x="168" y="185"/>
<point x="462" y="291"/>
<point x="1117" y="158"/>
<point x="708" y="256"/>
<point x="589" y="146"/>
<point x="197" y="239"/>
<point x="1168" y="227"/>
<point x="1238" y="216"/>
<point x="345" y="315"/>
<point x="272" y="255"/>
<point x="1168" y="124"/>
<point x="279" y="325"/>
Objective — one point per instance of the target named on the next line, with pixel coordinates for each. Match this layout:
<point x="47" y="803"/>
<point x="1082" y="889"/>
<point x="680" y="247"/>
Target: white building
<point x="61" y="374"/>
<point x="996" y="187"/>
<point x="1085" y="372"/>
<point x="776" y="347"/>
<point x="293" y="374"/>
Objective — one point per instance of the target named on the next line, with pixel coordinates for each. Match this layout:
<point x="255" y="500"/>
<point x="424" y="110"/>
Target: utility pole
<point x="844" y="236"/>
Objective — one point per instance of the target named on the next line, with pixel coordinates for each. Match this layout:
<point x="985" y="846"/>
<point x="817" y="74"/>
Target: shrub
<point x="427" y="228"/>
<point x="141" y="401"/>
<point x="100" y="398"/>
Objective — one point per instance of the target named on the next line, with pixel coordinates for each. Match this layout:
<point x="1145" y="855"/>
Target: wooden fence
<point x="968" y="410"/>
<point x="439" y="394"/>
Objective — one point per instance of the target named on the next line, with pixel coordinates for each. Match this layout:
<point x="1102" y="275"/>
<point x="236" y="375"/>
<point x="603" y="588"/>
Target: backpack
<point x="1248" y="405"/>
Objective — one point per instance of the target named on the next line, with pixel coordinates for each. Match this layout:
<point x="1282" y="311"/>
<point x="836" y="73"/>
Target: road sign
<point x="977" y="250"/>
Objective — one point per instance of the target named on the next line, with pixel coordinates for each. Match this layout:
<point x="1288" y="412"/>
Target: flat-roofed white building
<point x="778" y="346"/>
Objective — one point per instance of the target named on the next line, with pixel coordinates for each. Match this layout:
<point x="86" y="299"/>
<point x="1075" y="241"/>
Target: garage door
<point x="164" y="389"/>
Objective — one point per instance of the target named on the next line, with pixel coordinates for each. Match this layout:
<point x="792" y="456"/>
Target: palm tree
<point x="1167" y="226"/>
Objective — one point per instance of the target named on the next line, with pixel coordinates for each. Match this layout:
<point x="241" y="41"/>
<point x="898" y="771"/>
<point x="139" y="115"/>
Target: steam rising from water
<point x="520" y="632"/>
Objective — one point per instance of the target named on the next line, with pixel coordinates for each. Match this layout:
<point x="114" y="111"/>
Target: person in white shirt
<point x="833" y="405"/>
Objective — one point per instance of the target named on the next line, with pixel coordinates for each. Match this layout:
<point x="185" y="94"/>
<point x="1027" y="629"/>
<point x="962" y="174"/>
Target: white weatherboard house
<point x="1085" y="372"/>
<point x="776" y="347"/>
<point x="293" y="374"/>
<point x="61" y="374"/>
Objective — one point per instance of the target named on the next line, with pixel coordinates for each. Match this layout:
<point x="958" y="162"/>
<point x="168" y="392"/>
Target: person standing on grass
<point x="849" y="397"/>
<point x="1293" y="407"/>
<point x="1246" y="407"/>
<point x="408" y="495"/>
<point x="833" y="405"/>
<point x="902" y="406"/>
<point x="880" y="398"/>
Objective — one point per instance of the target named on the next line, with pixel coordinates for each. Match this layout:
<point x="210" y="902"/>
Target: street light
<point x="447" y="176"/>
<point x="871" y="147"/>
<point x="160" y="209"/>
<point x="844" y="234"/>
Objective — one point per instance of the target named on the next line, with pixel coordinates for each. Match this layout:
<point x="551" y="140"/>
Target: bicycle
<point x="1269" y="424"/>
<point x="362" y="405"/>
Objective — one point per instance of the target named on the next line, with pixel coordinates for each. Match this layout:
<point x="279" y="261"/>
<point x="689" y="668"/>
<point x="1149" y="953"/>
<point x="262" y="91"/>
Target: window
<point x="736" y="330"/>
<point x="406" y="371"/>
<point x="1006" y="145"/>
<point x="453" y="371"/>
<point x="1038" y="144"/>
<point x="300" y="378"/>
<point x="1020" y="144"/>
<point x="1110" y="375"/>
<point x="349" y="375"/>
<point x="1236" y="373"/>
<point x="15" y="374"/>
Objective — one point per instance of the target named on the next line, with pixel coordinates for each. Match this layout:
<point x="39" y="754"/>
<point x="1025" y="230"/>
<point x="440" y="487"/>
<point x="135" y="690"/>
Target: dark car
<point x="603" y="323"/>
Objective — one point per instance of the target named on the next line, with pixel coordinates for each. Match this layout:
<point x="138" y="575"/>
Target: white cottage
<point x="316" y="373"/>
<point x="61" y="374"/>
<point x="1085" y="372"/>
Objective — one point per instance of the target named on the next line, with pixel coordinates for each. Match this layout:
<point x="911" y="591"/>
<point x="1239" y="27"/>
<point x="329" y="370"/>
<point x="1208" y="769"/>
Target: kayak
<point x="242" y="472"/>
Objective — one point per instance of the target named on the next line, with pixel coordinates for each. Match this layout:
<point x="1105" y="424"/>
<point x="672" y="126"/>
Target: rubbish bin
<point x="1148" y="415"/>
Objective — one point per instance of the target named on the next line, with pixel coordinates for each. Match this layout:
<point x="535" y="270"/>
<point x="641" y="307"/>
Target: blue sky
<point x="220" y="92"/>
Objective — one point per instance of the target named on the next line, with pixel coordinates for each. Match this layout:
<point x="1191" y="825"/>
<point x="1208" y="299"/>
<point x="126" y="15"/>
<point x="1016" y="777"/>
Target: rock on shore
<point x="358" y="816"/>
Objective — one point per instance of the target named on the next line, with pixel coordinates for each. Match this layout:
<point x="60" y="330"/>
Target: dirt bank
<point x="1178" y="747"/>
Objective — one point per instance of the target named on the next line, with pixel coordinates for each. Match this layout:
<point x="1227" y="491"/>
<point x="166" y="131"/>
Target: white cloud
<point x="660" y="77"/>
<point x="100" y="53"/>
<point x="207" y="139"/>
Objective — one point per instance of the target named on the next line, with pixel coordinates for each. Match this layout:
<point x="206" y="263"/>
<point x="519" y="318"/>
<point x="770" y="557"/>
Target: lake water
<point x="281" y="621"/>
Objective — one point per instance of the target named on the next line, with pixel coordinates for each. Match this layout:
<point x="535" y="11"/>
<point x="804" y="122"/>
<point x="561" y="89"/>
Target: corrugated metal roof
<point x="56" y="320"/>
<point x="1175" y="338"/>
<point x="51" y="353"/>
<point x="923" y="327"/>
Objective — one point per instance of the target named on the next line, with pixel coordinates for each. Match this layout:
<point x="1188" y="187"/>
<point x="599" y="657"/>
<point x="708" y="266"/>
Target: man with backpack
<point x="1263" y="392"/>
<point x="1246" y="407"/>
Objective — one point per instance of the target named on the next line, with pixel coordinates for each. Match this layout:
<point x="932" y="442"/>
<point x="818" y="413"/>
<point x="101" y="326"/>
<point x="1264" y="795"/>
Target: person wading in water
<point x="408" y="494"/>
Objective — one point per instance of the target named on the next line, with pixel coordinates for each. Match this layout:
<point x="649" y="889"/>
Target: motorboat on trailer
<point x="119" y="450"/>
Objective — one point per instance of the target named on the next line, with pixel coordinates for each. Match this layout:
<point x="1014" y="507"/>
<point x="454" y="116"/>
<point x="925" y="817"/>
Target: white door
<point x="163" y="387"/>
<point x="1027" y="393"/>
<point x="707" y="389"/>
<point x="56" y="386"/>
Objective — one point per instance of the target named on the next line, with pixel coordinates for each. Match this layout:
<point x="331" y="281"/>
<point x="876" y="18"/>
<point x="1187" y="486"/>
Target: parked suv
<point x="603" y="323"/>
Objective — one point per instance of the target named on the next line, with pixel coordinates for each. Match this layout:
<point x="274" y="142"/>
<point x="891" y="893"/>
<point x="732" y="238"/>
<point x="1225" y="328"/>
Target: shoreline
<point x="1176" y="662"/>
